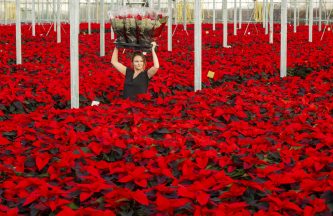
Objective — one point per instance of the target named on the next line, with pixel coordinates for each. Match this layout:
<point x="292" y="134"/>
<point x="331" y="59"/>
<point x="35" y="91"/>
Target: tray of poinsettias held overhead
<point x="136" y="28"/>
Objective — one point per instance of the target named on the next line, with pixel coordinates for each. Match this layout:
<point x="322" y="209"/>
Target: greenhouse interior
<point x="166" y="107"/>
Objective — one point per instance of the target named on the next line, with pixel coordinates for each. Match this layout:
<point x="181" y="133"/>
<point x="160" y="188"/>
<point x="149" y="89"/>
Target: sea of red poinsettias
<point x="249" y="143"/>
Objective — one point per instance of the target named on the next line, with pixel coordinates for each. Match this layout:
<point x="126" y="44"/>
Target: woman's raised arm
<point x="152" y="71"/>
<point x="114" y="61"/>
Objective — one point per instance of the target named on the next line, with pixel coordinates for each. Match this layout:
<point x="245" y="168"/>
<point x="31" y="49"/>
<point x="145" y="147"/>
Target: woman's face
<point x="138" y="63"/>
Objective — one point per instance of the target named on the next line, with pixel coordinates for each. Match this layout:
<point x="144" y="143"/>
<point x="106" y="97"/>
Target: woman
<point x="136" y="79"/>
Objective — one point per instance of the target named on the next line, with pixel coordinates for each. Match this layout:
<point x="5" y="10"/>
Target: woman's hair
<point x="141" y="55"/>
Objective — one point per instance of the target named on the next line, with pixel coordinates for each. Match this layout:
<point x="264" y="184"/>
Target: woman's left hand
<point x="154" y="45"/>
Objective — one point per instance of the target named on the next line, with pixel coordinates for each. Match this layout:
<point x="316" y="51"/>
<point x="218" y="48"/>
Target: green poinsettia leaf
<point x="237" y="173"/>
<point x="73" y="206"/>
<point x="100" y="200"/>
<point x="85" y="149"/>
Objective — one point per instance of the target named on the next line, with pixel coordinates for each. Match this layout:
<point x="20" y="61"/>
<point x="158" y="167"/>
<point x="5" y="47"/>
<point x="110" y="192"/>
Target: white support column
<point x="184" y="15"/>
<point x="89" y="16"/>
<point x="266" y="17"/>
<point x="58" y="22"/>
<point x="102" y="29"/>
<point x="159" y="4"/>
<point x="225" y="23"/>
<point x="310" y="19"/>
<point x="33" y="17"/>
<point x="74" y="52"/>
<point x="151" y="4"/>
<point x="320" y="15"/>
<point x="240" y="14"/>
<point x="214" y="16"/>
<point x="197" y="45"/>
<point x="169" y="25"/>
<point x="54" y="16"/>
<point x="271" y="22"/>
<point x="283" y="54"/>
<point x="18" y="33"/>
<point x="235" y="17"/>
<point x="295" y="16"/>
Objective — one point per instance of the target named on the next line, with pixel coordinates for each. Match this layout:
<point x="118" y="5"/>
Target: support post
<point x="33" y="19"/>
<point x="266" y="17"/>
<point x="102" y="29"/>
<point x="184" y="14"/>
<point x="225" y="23"/>
<point x="235" y="17"/>
<point x="320" y="15"/>
<point x="18" y="33"/>
<point x="271" y="22"/>
<point x="58" y="22"/>
<point x="197" y="45"/>
<point x="169" y="25"/>
<point x="295" y="16"/>
<point x="240" y="14"/>
<point x="214" y="15"/>
<point x="89" y="16"/>
<point x="74" y="52"/>
<point x="310" y="19"/>
<point x="283" y="50"/>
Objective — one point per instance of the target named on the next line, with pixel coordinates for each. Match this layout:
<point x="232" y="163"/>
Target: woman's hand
<point x="154" y="45"/>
